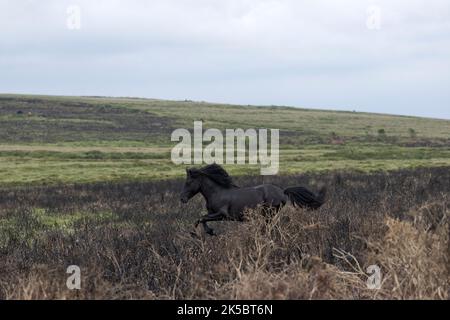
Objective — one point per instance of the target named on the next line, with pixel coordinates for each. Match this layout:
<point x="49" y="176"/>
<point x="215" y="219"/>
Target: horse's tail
<point x="302" y="197"/>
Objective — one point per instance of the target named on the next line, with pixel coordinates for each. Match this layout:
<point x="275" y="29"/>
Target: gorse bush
<point x="136" y="240"/>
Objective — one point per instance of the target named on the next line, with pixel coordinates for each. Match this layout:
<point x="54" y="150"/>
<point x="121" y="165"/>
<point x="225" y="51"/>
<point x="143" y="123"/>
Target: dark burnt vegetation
<point x="32" y="120"/>
<point x="133" y="240"/>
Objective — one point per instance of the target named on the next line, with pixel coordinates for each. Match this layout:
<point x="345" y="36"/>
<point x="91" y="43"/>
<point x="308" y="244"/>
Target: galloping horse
<point x="226" y="201"/>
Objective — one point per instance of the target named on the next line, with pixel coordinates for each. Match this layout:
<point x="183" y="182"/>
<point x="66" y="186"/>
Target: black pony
<point x="226" y="201"/>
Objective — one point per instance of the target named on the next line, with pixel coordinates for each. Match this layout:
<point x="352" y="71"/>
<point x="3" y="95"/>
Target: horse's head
<point x="191" y="186"/>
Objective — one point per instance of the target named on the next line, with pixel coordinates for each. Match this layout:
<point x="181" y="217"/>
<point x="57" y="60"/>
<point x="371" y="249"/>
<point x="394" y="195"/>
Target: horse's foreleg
<point x="210" y="217"/>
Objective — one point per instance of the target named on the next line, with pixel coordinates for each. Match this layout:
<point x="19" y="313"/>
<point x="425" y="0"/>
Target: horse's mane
<point x="216" y="173"/>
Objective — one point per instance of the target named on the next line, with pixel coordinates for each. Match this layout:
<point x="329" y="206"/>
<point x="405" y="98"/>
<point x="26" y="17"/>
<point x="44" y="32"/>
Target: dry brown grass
<point x="413" y="261"/>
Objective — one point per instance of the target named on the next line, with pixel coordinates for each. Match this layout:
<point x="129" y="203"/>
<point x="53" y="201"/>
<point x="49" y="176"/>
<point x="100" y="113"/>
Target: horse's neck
<point x="209" y="188"/>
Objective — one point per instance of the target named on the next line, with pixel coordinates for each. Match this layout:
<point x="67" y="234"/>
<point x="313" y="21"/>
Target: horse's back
<point x="272" y="194"/>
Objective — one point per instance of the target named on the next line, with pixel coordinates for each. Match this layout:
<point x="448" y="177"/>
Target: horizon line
<point x="318" y="109"/>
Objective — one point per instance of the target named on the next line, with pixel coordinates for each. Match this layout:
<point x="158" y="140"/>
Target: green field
<point x="50" y="139"/>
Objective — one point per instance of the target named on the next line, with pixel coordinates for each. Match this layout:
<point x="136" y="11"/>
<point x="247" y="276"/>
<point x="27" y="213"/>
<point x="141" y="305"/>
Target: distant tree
<point x="381" y="133"/>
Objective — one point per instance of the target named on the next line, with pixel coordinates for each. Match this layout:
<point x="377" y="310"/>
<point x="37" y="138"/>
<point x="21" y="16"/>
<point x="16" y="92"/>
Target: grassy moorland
<point x="50" y="139"/>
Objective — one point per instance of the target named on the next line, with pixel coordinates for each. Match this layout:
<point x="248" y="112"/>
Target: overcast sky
<point x="377" y="56"/>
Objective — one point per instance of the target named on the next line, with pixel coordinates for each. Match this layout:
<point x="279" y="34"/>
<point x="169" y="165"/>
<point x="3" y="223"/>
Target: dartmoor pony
<point x="226" y="201"/>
